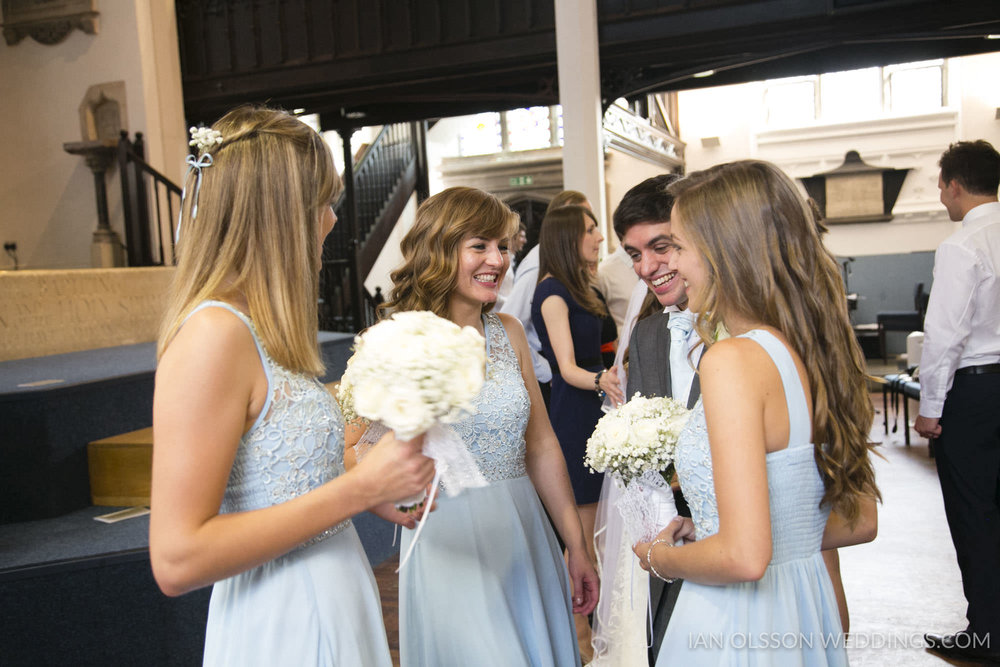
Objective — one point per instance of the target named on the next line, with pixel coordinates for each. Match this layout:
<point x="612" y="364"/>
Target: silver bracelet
<point x="649" y="560"/>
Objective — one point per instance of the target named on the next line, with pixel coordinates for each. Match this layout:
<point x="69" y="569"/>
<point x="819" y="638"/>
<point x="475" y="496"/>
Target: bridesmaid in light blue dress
<point x="487" y="584"/>
<point x="774" y="462"/>
<point x="318" y="604"/>
<point x="249" y="490"/>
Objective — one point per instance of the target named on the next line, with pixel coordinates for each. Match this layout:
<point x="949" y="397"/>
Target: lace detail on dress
<point x="694" y="471"/>
<point x="495" y="433"/>
<point x="295" y="447"/>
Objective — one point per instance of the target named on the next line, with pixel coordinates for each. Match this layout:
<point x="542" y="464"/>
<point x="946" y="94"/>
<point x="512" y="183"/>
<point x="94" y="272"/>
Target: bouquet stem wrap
<point x="646" y="506"/>
<point x="453" y="464"/>
<point x="631" y="445"/>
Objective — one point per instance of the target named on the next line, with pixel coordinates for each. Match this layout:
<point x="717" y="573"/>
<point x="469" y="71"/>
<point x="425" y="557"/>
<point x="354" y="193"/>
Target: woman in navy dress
<point x="573" y="323"/>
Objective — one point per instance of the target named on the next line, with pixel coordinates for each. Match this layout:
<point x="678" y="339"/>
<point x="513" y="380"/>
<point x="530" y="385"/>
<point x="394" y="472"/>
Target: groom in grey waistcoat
<point x="662" y="351"/>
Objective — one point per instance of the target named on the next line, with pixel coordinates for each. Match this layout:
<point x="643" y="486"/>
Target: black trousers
<point x="968" y="463"/>
<point x="663" y="596"/>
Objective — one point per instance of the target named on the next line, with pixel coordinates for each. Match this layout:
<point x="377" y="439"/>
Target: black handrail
<point x="140" y="228"/>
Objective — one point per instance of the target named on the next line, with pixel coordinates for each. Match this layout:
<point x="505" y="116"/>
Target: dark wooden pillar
<point x="354" y="237"/>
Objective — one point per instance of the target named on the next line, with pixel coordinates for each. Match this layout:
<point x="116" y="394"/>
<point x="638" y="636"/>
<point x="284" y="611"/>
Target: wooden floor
<point x="388" y="586"/>
<point x="901" y="585"/>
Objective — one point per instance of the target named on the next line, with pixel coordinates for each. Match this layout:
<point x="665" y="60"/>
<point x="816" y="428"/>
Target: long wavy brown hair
<point x="257" y="232"/>
<point x="766" y="263"/>
<point x="559" y="254"/>
<point x="429" y="272"/>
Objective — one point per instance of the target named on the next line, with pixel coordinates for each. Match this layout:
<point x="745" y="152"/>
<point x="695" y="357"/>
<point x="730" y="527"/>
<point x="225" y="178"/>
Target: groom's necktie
<point x="680" y="325"/>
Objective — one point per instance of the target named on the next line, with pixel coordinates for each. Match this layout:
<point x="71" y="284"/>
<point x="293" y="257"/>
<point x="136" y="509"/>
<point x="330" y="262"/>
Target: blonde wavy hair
<point x="257" y="232"/>
<point x="559" y="254"/>
<point x="766" y="262"/>
<point x="429" y="272"/>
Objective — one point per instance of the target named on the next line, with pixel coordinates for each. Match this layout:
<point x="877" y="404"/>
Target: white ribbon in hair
<point x="197" y="164"/>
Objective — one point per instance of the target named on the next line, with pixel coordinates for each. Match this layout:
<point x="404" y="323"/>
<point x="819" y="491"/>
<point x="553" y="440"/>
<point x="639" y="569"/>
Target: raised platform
<point x="74" y="591"/>
<point x="52" y="406"/>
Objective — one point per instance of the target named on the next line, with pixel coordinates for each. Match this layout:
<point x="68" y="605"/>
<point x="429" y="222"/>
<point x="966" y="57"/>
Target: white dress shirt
<point x="506" y="287"/>
<point x="518" y="304"/>
<point x="962" y="326"/>
<point x="616" y="279"/>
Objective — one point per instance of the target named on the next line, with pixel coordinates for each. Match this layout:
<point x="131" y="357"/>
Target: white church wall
<point x="47" y="201"/>
<point x="913" y="141"/>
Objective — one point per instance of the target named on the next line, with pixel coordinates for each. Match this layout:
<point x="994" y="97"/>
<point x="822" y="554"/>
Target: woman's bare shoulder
<point x="730" y="352"/>
<point x="510" y="323"/>
<point x="215" y="334"/>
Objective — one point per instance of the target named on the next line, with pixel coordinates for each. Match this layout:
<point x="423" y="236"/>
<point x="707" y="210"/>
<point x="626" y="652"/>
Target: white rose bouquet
<point x="414" y="373"/>
<point x="636" y="444"/>
<point x="412" y="370"/>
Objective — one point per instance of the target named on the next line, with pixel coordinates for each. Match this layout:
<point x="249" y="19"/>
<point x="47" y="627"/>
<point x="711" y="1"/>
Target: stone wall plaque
<point x="854" y="195"/>
<point x="56" y="311"/>
<point x="855" y="191"/>
<point x="47" y="21"/>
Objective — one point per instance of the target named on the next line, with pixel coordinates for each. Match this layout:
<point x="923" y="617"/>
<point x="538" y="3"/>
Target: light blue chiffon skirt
<point x="486" y="585"/>
<point x="788" y="618"/>
<point x="318" y="605"/>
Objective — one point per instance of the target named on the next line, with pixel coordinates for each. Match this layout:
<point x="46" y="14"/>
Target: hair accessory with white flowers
<point x="205" y="138"/>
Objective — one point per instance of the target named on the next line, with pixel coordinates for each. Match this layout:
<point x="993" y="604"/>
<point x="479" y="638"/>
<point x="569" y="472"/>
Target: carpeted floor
<point x="900" y="586"/>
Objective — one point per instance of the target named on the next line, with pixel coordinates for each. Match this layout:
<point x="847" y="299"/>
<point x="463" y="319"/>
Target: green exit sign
<point x="518" y="181"/>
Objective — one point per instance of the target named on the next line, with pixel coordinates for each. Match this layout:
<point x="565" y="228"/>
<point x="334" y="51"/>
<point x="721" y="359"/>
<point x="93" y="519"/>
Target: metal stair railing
<point x="377" y="188"/>
<point x="142" y="184"/>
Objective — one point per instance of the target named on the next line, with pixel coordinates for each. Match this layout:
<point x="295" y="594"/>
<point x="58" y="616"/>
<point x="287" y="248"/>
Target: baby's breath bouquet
<point x="635" y="444"/>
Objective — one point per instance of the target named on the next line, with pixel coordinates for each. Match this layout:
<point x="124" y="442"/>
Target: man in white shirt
<point x="960" y="388"/>
<point x="507" y="286"/>
<point x="615" y="280"/>
<point x="518" y="304"/>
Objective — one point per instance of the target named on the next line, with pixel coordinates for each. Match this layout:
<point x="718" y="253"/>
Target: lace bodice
<point x="795" y="487"/>
<point x="495" y="433"/>
<point x="296" y="444"/>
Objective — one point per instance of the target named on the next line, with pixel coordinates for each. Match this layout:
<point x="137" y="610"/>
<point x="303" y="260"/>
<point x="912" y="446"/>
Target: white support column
<point x="580" y="96"/>
<point x="165" y="131"/>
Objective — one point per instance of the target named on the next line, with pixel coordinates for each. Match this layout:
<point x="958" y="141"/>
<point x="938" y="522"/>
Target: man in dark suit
<point x="660" y="359"/>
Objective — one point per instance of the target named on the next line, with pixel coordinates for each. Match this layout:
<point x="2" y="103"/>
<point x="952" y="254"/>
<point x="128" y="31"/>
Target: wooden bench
<point x="121" y="468"/>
